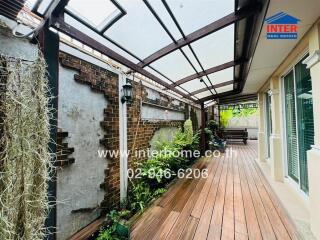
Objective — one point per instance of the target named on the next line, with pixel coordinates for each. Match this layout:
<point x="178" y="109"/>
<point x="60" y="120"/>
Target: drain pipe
<point x="123" y="145"/>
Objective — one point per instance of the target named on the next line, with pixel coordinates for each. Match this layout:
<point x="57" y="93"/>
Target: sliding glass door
<point x="291" y="127"/>
<point x="299" y="122"/>
<point x="269" y="121"/>
<point x="304" y="120"/>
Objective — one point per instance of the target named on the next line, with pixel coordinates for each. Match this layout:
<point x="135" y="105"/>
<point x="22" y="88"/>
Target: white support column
<point x="123" y="148"/>
<point x="261" y="133"/>
<point x="313" y="63"/>
<point x="277" y="166"/>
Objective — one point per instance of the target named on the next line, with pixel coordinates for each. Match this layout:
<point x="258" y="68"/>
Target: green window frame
<point x="299" y="122"/>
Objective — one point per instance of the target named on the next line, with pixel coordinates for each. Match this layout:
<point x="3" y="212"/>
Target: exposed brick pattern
<point x="63" y="150"/>
<point x="139" y="132"/>
<point x="106" y="82"/>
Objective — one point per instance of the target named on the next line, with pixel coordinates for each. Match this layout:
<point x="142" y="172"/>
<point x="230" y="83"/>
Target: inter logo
<point x="282" y="26"/>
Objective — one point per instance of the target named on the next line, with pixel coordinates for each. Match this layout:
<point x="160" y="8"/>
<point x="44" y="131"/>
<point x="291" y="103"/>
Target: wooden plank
<point x="144" y="217"/>
<point x="228" y="211"/>
<point x="284" y="216"/>
<point x="250" y="214"/>
<point x="166" y="226"/>
<point x="197" y="210"/>
<point x="185" y="213"/>
<point x="179" y="199"/>
<point x="190" y="229"/>
<point x="183" y="198"/>
<point x="241" y="231"/>
<point x="234" y="202"/>
<point x="277" y="225"/>
<point x="137" y="232"/>
<point x="215" y="227"/>
<point x="264" y="222"/>
<point x="181" y="183"/>
<point x="204" y="223"/>
<point x="88" y="230"/>
<point x="177" y="202"/>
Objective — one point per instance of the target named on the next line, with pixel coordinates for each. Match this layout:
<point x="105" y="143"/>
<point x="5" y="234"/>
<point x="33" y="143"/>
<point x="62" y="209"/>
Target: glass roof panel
<point x="138" y="30"/>
<point x="204" y="94"/>
<point x="192" y="58"/>
<point x="217" y="48"/>
<point x="182" y="90"/>
<point x="166" y="18"/>
<point x="150" y="70"/>
<point x="44" y="5"/>
<point x="94" y="12"/>
<point x="225" y="88"/>
<point x="193" y="85"/>
<point x="193" y="15"/>
<point x="97" y="37"/>
<point x="30" y="3"/>
<point x="217" y="77"/>
<point x="174" y="66"/>
<point x="221" y="76"/>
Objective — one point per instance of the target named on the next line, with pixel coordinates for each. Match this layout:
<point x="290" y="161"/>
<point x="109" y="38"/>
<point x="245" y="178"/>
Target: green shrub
<point x="213" y="125"/>
<point x="116" y="220"/>
<point x="153" y="169"/>
<point x="153" y="178"/>
<point x="108" y="234"/>
<point x="141" y="195"/>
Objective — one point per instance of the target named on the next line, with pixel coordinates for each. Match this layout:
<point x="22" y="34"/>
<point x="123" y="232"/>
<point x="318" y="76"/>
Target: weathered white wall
<point x="80" y="113"/>
<point x="16" y="47"/>
<point x="154" y="113"/>
<point x="163" y="134"/>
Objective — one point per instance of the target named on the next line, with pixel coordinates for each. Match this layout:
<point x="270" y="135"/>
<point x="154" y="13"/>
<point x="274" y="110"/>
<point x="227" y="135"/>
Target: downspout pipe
<point x="203" y="134"/>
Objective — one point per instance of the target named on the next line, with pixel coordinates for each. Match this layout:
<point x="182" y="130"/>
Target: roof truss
<point x="209" y="71"/>
<point x="214" y="86"/>
<point x="54" y="17"/>
<point x="202" y="32"/>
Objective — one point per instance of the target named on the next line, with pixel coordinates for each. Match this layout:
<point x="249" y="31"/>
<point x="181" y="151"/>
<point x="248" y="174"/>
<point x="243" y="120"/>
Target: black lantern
<point x="127" y="92"/>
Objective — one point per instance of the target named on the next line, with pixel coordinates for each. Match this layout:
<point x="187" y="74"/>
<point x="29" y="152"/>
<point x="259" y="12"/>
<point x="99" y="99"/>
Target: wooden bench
<point x="235" y="134"/>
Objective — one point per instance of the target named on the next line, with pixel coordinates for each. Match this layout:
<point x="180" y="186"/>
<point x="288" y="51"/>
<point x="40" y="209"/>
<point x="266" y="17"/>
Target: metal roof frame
<point x="246" y="12"/>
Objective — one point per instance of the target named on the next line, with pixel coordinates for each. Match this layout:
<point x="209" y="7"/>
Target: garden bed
<point x="155" y="176"/>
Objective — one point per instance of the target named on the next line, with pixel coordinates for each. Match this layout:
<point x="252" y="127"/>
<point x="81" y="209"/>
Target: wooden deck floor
<point x="234" y="202"/>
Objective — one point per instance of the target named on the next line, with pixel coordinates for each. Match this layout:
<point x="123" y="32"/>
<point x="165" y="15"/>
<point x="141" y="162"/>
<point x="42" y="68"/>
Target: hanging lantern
<point x="127" y="93"/>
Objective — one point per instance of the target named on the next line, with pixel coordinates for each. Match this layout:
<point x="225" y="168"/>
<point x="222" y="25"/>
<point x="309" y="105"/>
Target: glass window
<point x="304" y="119"/>
<point x="269" y="121"/>
<point x="291" y="129"/>
<point x="299" y="122"/>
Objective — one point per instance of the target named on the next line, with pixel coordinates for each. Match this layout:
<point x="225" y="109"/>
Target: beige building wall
<point x="313" y="63"/>
<point x="309" y="43"/>
<point x="262" y="151"/>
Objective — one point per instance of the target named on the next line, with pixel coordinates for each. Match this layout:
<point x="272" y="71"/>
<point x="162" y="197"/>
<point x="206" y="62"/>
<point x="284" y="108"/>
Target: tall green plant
<point x="188" y="131"/>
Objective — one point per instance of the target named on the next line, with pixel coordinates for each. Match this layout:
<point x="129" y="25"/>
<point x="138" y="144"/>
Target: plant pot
<point x="122" y="230"/>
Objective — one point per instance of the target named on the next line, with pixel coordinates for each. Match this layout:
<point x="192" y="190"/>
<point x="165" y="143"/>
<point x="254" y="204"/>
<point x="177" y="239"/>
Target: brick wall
<point x="139" y="132"/>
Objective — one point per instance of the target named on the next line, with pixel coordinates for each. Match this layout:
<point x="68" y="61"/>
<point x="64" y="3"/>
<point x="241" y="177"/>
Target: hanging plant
<point x="24" y="156"/>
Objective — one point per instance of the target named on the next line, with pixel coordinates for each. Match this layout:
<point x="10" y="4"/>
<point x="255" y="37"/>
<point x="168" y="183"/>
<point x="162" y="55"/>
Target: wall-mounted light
<point x="127" y="92"/>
